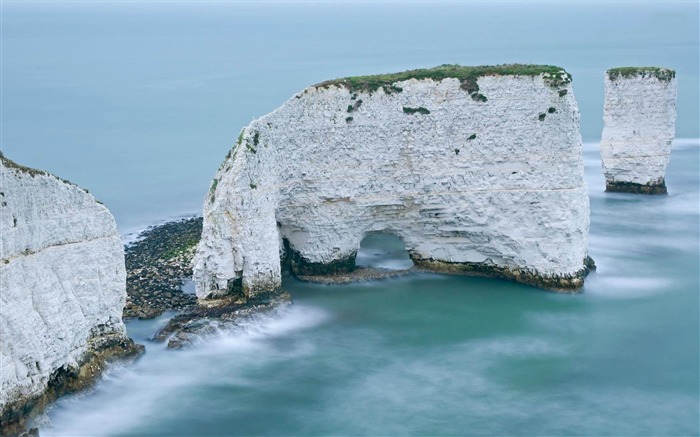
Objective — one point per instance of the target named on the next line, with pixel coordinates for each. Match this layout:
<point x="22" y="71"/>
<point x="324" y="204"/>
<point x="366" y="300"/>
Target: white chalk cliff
<point x="62" y="278"/>
<point x="477" y="169"/>
<point x="639" y="127"/>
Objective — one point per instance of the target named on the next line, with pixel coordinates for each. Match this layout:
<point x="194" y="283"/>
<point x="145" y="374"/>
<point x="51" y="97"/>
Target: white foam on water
<point x="628" y="287"/>
<point x="130" y="396"/>
<point x="685" y="143"/>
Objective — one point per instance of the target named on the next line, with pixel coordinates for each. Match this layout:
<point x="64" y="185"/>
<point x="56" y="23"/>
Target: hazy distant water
<point x="140" y="102"/>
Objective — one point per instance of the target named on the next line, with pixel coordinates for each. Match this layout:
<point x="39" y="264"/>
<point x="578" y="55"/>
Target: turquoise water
<point x="139" y="102"/>
<point x="443" y="355"/>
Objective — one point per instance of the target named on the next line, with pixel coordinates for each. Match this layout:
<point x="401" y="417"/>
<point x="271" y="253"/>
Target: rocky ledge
<point x="563" y="283"/>
<point x="357" y="275"/>
<point x="157" y="264"/>
<point x="214" y="315"/>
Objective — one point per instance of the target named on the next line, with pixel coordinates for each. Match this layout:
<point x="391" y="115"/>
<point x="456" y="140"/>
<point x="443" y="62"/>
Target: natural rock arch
<point x="384" y="250"/>
<point x="477" y="169"/>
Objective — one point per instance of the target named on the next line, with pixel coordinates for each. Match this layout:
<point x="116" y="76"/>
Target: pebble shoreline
<point x="157" y="264"/>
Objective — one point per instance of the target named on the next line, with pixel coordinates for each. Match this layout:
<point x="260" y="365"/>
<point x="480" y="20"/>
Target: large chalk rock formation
<point x="62" y="282"/>
<point x="477" y="169"/>
<point x="640" y="121"/>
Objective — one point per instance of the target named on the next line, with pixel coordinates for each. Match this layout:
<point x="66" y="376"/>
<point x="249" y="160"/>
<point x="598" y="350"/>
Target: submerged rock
<point x="63" y="290"/>
<point x="357" y="275"/>
<point x="639" y="118"/>
<point x="478" y="170"/>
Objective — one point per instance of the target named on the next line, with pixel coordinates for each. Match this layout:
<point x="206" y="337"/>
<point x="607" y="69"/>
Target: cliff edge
<point x="62" y="278"/>
<point x="478" y="170"/>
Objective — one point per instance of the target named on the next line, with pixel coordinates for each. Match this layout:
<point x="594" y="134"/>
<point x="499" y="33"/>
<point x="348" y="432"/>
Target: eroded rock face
<point x="639" y="127"/>
<point x="477" y="174"/>
<point x="62" y="278"/>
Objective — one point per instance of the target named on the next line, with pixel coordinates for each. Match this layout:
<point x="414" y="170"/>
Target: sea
<point x="139" y="102"/>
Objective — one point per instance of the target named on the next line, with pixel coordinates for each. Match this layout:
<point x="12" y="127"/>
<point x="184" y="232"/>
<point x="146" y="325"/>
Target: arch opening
<point x="383" y="250"/>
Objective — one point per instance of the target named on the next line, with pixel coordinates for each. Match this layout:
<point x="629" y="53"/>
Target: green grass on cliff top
<point x="7" y="162"/>
<point x="665" y="74"/>
<point x="557" y="75"/>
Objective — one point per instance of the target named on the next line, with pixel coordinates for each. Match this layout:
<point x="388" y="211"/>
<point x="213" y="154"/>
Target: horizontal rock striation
<point x="639" y="127"/>
<point x="63" y="289"/>
<point x="479" y="167"/>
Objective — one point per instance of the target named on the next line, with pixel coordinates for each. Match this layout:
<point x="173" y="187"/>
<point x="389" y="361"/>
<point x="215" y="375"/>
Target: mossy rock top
<point x="664" y="74"/>
<point x="555" y="76"/>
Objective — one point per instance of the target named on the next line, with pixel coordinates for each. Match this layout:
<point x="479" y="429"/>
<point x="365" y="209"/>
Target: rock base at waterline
<point x="211" y="315"/>
<point x="560" y="283"/>
<point x="357" y="275"/>
<point x="67" y="380"/>
<point x="631" y="187"/>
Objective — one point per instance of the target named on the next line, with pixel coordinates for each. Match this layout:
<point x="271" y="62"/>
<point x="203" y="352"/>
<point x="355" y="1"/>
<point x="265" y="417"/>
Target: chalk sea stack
<point x="62" y="278"/>
<point x="639" y="127"/>
<point x="478" y="170"/>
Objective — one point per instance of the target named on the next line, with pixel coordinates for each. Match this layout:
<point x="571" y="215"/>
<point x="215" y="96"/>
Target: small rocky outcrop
<point x="639" y="127"/>
<point x="63" y="289"/>
<point x="478" y="170"/>
<point x="225" y="314"/>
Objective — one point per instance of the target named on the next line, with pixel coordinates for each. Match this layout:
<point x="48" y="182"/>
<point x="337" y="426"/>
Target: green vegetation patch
<point x="555" y="76"/>
<point x="542" y="116"/>
<point x="471" y="137"/>
<point x="212" y="190"/>
<point x="165" y="241"/>
<point x="663" y="74"/>
<point x="419" y="110"/>
<point x="355" y="106"/>
<point x="28" y="170"/>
